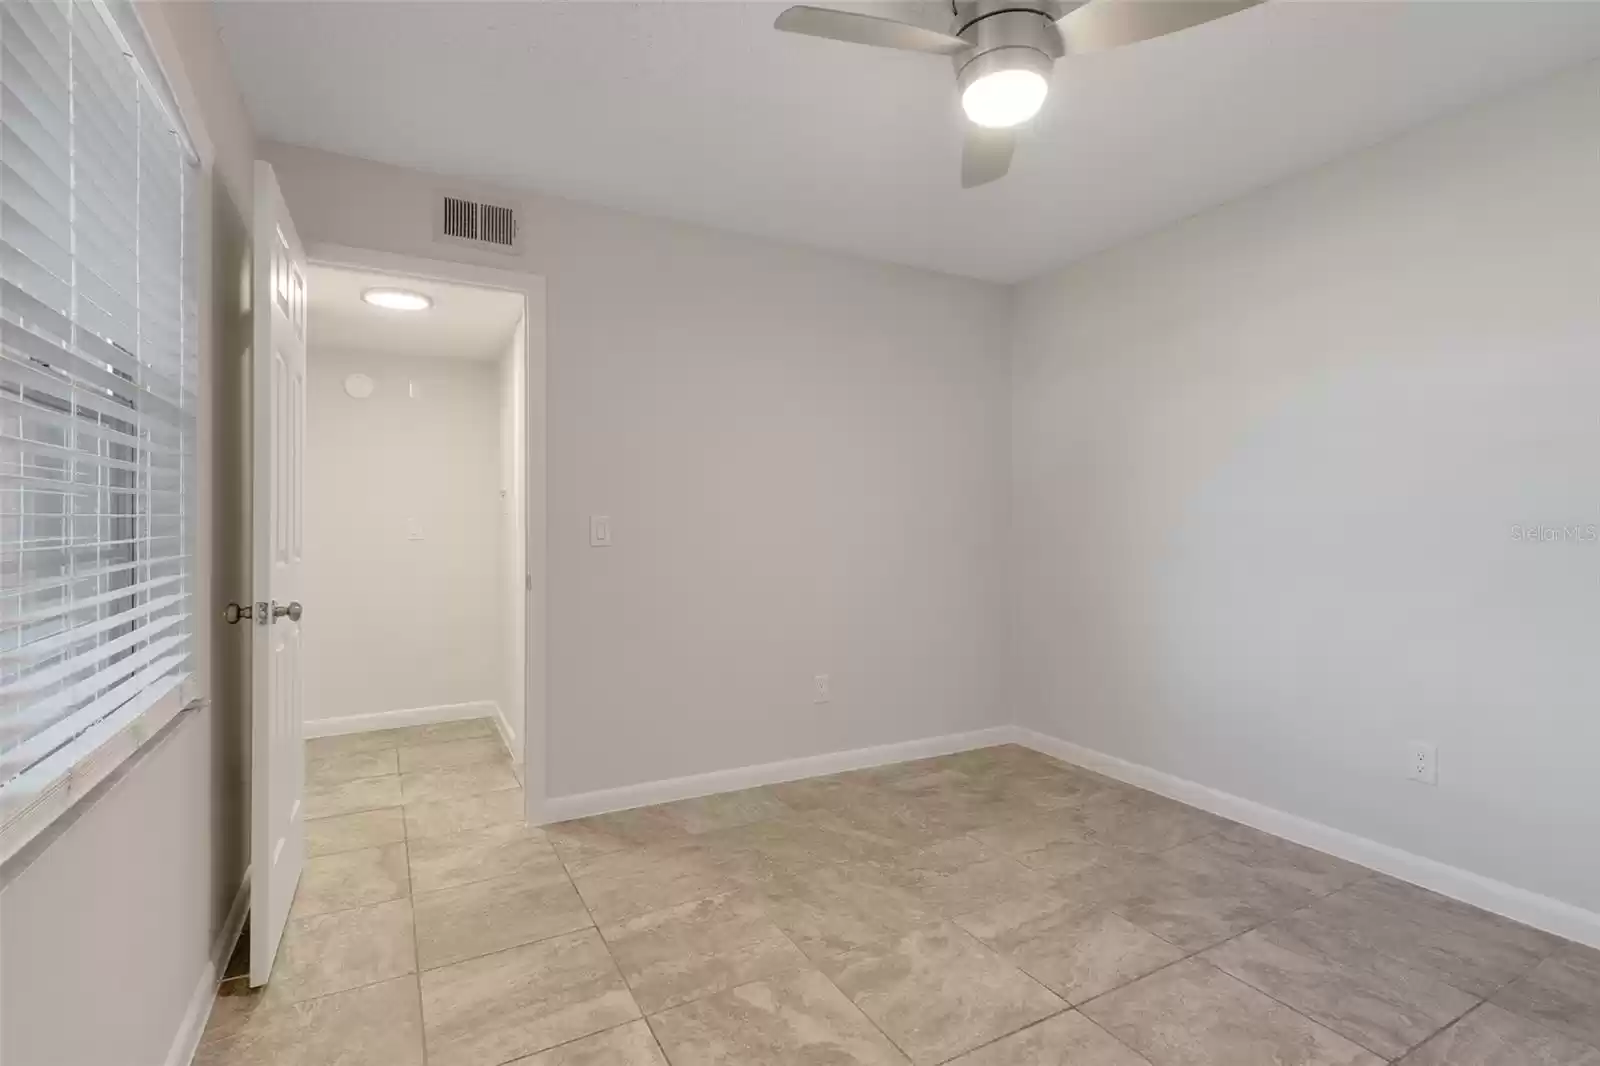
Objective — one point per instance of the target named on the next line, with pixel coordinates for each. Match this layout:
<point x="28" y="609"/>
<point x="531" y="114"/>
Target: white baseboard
<point x="408" y="716"/>
<point x="1518" y="904"/>
<point x="606" y="800"/>
<point x="507" y="736"/>
<point x="187" y="1040"/>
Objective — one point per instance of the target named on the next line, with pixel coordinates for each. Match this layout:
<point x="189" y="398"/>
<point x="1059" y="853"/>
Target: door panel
<point x="277" y="753"/>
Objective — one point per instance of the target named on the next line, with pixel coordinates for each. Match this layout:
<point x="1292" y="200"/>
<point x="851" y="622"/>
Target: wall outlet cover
<point x="1422" y="762"/>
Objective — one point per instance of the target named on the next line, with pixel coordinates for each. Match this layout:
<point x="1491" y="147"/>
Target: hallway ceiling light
<point x="397" y="299"/>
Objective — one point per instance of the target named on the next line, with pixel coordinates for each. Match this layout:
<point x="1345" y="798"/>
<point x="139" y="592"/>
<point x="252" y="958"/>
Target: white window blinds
<point x="97" y="397"/>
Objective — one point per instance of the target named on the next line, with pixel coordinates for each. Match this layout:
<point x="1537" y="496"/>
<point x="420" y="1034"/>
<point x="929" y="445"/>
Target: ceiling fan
<point x="1003" y="51"/>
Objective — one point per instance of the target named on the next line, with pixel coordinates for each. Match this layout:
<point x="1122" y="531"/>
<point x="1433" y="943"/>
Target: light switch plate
<point x="599" y="531"/>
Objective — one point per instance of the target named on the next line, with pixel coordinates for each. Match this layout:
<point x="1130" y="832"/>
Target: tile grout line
<point x="416" y="947"/>
<point x="406" y="840"/>
<point x="1034" y="1025"/>
<point x="1256" y="878"/>
<point x="1539" y="1022"/>
<point x="1453" y="1021"/>
<point x="524" y="827"/>
<point x="1067" y="1005"/>
<point x="656" y="1038"/>
<point x="1365" y="880"/>
<point x="1200" y="951"/>
<point x="817" y="968"/>
<point x="847" y="997"/>
<point x="417" y="971"/>
<point x="612" y="955"/>
<point x="1120" y="1042"/>
<point x="813" y="966"/>
<point x="1245" y="870"/>
<point x="1113" y="909"/>
<point x="760" y="897"/>
<point x="1196" y="955"/>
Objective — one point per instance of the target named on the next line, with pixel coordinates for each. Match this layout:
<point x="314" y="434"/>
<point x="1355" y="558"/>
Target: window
<point x="98" y="363"/>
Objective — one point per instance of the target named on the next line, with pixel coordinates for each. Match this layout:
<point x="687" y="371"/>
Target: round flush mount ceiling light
<point x="397" y="299"/>
<point x="1005" y="87"/>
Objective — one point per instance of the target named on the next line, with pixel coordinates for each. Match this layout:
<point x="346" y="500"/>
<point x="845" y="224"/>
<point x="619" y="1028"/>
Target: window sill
<point x="31" y="802"/>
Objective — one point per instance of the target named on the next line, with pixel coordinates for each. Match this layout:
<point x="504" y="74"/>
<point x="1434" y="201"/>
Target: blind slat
<point x="46" y="646"/>
<point x="68" y="454"/>
<point x="145" y="687"/>
<point x="52" y="369"/>
<point x="42" y="680"/>
<point x="92" y="689"/>
<point x="43" y="614"/>
<point x="97" y="379"/>
<point x="40" y="619"/>
<point x="25" y="411"/>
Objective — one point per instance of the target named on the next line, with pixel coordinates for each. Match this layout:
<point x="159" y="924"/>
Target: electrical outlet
<point x="1423" y="762"/>
<point x="822" y="690"/>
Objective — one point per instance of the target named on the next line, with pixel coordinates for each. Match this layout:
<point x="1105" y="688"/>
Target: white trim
<point x="416" y="266"/>
<point x="400" y="718"/>
<point x="168" y="58"/>
<point x="536" y="684"/>
<point x="187" y="1040"/>
<point x="32" y="801"/>
<point x="1518" y="904"/>
<point x="507" y="737"/>
<point x="131" y="27"/>
<point x="606" y="800"/>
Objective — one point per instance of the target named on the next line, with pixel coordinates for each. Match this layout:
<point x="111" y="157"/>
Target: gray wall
<point x="1267" y="467"/>
<point x="108" y="923"/>
<point x="108" y="932"/>
<point x="803" y="457"/>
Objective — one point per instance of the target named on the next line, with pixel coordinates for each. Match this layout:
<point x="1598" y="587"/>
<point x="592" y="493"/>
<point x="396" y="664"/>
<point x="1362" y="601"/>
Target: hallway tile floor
<point x="991" y="908"/>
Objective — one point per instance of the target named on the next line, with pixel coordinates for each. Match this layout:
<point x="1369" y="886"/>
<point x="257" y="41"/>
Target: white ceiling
<point x="463" y="323"/>
<point x="701" y="111"/>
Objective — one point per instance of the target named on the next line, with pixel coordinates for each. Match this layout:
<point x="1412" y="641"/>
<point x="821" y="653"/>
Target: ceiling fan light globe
<point x="1004" y="98"/>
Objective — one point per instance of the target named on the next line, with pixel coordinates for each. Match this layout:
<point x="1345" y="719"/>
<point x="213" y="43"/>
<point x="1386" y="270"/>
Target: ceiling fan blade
<point x="867" y="29"/>
<point x="1104" y="24"/>
<point x="986" y="155"/>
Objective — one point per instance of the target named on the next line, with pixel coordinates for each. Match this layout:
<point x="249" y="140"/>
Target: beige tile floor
<point x="993" y="908"/>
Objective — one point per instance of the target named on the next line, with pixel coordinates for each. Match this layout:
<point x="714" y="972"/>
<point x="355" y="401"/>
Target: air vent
<point x="463" y="220"/>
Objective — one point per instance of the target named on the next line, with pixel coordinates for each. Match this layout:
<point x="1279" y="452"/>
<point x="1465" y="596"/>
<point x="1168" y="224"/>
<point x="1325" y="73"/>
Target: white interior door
<point x="277" y="751"/>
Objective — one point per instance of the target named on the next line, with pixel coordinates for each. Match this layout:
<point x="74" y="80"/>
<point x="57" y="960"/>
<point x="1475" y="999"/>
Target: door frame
<point x="535" y="658"/>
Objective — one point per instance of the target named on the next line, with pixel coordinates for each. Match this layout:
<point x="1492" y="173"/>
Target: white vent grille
<point x="463" y="220"/>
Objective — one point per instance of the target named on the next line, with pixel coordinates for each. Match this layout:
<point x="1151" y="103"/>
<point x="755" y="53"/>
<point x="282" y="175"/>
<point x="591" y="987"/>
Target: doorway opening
<point x="417" y="573"/>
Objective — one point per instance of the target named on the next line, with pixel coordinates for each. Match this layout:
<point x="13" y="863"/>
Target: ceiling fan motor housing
<point x="1006" y="35"/>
